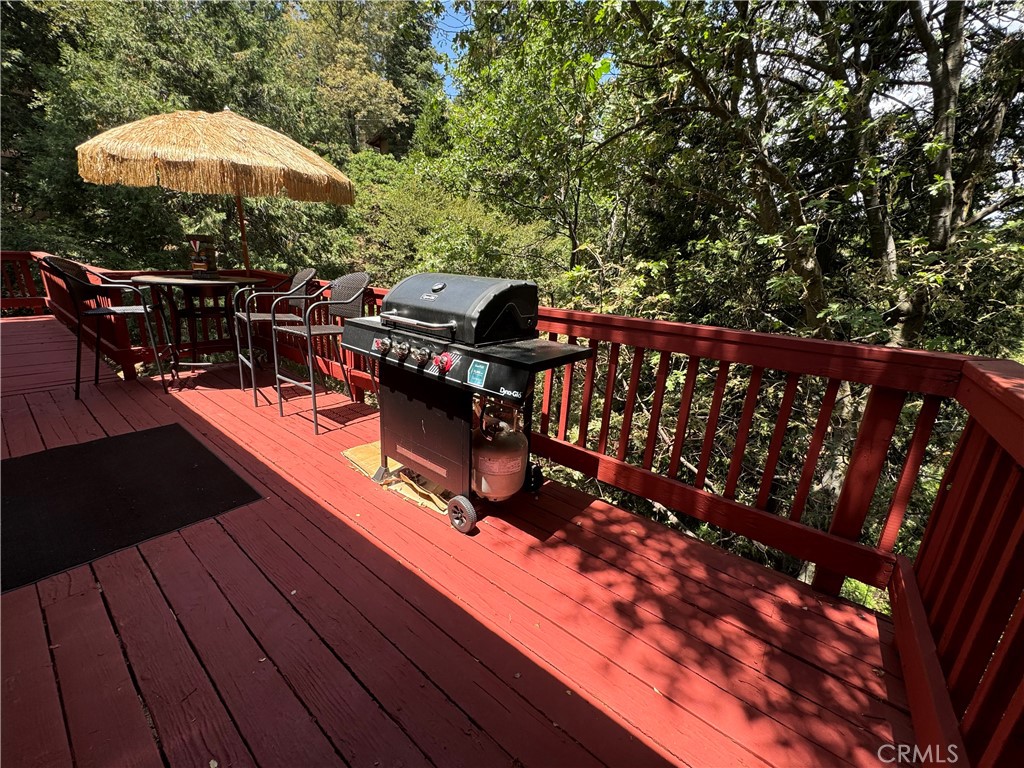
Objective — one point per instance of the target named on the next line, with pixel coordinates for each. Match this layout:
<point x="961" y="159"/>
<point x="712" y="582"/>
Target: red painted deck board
<point x="566" y="632"/>
<point x="39" y="354"/>
<point x="106" y="724"/>
<point x="193" y="724"/>
<point x="357" y="726"/>
<point x="280" y="733"/>
<point x="33" y="724"/>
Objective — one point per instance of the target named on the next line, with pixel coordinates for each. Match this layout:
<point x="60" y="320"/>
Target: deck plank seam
<point x="265" y="654"/>
<point x="56" y="675"/>
<point x="146" y="711"/>
<point x="192" y="649"/>
<point x="260" y="644"/>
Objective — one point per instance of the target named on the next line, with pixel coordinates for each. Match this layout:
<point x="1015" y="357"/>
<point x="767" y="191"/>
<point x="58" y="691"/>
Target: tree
<point x="318" y="72"/>
<point x="818" y="150"/>
<point x="823" y="109"/>
<point x="527" y="124"/>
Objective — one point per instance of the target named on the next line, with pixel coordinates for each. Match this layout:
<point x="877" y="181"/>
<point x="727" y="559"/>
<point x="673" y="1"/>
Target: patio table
<point x="195" y="291"/>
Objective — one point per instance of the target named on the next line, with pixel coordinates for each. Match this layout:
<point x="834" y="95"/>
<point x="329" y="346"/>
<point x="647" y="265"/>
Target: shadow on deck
<point x="333" y="622"/>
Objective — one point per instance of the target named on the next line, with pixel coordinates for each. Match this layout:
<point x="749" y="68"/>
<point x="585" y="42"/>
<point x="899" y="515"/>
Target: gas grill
<point x="457" y="357"/>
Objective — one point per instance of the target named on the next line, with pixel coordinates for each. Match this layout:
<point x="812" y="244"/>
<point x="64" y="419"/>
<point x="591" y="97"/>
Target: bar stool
<point x="293" y="290"/>
<point x="82" y="291"/>
<point x="346" y="300"/>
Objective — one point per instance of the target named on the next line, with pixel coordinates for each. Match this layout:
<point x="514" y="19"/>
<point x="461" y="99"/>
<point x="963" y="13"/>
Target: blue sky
<point x="449" y="25"/>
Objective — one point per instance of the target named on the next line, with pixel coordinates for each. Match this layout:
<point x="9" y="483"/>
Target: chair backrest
<point x="349" y="289"/>
<point x="75" y="278"/>
<point x="300" y="280"/>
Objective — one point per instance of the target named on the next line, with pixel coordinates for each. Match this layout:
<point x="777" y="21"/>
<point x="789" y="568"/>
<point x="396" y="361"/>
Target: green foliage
<point x="410" y="222"/>
<point x="331" y="76"/>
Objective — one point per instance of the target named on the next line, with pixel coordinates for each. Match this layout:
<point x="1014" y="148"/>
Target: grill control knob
<point x="402" y="349"/>
<point x="444" y="362"/>
<point x="421" y="354"/>
<point x="382" y="345"/>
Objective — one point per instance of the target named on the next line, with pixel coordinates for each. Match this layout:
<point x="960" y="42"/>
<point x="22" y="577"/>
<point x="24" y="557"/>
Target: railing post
<point x="876" y="430"/>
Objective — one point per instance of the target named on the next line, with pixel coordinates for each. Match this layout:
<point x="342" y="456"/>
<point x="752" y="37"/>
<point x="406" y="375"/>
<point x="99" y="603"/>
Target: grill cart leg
<point x="534" y="477"/>
<point x="382" y="472"/>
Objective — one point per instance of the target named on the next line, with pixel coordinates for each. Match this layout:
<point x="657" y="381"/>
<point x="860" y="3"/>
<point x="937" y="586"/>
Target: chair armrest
<point x="358" y="296"/>
<point x="290" y="296"/>
<point x="251" y="299"/>
<point x="119" y="285"/>
<point x="239" y="292"/>
<point x="323" y="303"/>
<point x="262" y="290"/>
<point x="108" y="280"/>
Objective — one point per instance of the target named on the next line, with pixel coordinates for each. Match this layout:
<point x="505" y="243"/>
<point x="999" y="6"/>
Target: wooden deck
<point x="334" y="623"/>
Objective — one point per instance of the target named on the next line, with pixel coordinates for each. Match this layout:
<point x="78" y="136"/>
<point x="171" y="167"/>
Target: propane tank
<point x="500" y="454"/>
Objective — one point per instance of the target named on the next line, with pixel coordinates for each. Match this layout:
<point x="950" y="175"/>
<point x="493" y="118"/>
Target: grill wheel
<point x="462" y="514"/>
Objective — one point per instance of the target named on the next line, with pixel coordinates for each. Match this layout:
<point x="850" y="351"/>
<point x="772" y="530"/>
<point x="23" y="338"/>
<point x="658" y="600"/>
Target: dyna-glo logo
<point x="511" y="392"/>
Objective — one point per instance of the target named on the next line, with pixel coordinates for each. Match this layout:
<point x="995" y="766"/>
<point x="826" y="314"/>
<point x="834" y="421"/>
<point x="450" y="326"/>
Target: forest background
<point x="848" y="171"/>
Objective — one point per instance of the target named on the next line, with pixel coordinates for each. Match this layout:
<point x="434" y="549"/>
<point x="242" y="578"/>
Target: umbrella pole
<point x="241" y="224"/>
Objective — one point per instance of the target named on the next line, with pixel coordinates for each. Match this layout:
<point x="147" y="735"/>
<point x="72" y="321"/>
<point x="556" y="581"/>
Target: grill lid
<point x="463" y="308"/>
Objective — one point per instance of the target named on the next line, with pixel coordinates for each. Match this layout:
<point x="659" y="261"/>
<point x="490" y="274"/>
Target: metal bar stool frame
<point x="348" y="299"/>
<point x="76" y="281"/>
<point x="249" y="295"/>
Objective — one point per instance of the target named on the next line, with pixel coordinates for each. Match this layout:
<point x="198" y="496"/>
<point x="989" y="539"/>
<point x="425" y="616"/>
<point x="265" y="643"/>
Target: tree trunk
<point x="945" y="65"/>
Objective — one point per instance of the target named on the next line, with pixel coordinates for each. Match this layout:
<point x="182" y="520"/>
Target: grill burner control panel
<point x="502" y="370"/>
<point x="473" y="368"/>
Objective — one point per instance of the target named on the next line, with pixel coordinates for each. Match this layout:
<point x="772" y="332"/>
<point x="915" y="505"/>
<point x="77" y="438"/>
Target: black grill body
<point x="440" y="341"/>
<point x="463" y="308"/>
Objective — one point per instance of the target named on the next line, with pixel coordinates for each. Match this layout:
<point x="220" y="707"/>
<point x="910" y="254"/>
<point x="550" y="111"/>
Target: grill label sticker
<point x="477" y="373"/>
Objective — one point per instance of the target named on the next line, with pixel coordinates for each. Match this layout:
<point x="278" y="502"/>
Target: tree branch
<point x="995" y="207"/>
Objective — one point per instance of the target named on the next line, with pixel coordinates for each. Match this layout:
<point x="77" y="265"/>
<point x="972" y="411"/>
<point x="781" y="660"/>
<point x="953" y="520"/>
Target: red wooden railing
<point x="696" y="462"/>
<point x="960" y="605"/>
<point x="19" y="290"/>
<point x="958" y="610"/>
<point x="677" y="413"/>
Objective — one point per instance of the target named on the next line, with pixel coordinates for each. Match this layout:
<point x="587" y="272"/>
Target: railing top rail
<point x="913" y="370"/>
<point x="933" y="373"/>
<point x="22" y="255"/>
<point x="992" y="391"/>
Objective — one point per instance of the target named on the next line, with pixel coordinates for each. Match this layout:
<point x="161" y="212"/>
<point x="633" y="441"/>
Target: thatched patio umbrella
<point x="216" y="153"/>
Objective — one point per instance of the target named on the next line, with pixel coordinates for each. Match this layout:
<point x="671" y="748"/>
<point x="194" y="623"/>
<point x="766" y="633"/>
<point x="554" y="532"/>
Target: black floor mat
<point x="68" y="506"/>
